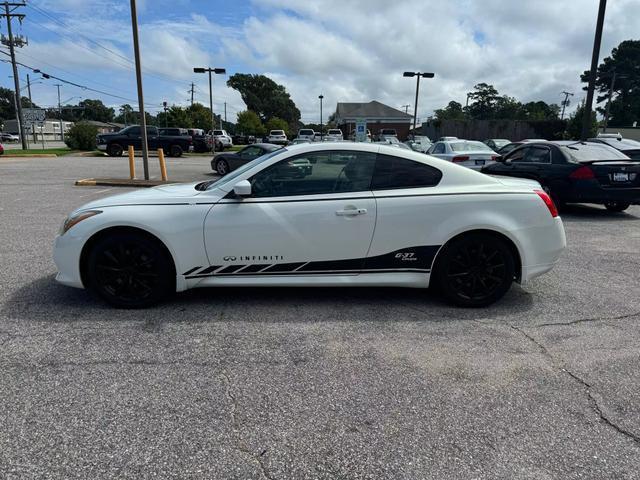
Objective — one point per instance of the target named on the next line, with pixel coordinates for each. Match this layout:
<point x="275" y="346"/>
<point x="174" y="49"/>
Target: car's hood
<point x="162" y="195"/>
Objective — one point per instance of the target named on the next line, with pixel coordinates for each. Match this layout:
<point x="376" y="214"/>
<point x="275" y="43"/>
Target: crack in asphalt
<point x="240" y="445"/>
<point x="584" y="384"/>
<point x="585" y="320"/>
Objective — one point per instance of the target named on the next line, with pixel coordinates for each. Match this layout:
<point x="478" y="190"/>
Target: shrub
<point x="81" y="136"/>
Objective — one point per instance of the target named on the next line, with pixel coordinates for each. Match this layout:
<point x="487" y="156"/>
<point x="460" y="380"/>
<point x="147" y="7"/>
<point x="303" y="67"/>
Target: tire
<point x="130" y="270"/>
<point x="115" y="150"/>
<point x="175" y="151"/>
<point x="222" y="167"/>
<point x="616" y="206"/>
<point x="474" y="270"/>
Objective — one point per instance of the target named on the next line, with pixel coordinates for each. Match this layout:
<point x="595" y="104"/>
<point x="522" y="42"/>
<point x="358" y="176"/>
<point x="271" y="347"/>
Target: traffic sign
<point x="33" y="115"/>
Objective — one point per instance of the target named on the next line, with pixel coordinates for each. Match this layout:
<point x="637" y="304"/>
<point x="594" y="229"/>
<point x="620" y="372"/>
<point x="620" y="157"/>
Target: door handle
<point x="348" y="212"/>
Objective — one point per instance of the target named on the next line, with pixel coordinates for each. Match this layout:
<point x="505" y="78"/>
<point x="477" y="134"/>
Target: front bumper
<point x="66" y="255"/>
<point x="102" y="147"/>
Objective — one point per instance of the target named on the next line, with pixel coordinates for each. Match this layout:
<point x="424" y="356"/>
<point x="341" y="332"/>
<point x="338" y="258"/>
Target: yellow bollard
<point x="132" y="163"/>
<point x="163" y="166"/>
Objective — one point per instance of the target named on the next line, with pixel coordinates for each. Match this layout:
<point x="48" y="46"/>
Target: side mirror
<point x="499" y="158"/>
<point x="242" y="188"/>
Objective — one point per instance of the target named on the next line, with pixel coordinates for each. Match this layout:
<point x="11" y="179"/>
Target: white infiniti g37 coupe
<point x="329" y="214"/>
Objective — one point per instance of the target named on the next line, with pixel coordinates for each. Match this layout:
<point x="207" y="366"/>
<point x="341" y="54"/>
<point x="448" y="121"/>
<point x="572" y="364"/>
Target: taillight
<point x="548" y="202"/>
<point x="460" y="158"/>
<point x="495" y="157"/>
<point x="582" y="173"/>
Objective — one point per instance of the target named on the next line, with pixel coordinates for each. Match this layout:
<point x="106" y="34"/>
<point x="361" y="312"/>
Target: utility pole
<point x="586" y="121"/>
<point x="192" y="91"/>
<point x="60" y="113"/>
<point x="143" y="118"/>
<point x="321" y="126"/>
<point x="406" y="108"/>
<point x="225" y="112"/>
<point x="565" y="103"/>
<point x="29" y="90"/>
<point x="9" y="7"/>
<point x="166" y="119"/>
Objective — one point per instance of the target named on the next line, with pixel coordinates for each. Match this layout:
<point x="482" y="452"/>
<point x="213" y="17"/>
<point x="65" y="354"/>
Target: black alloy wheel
<point x="616" y="206"/>
<point x="130" y="270"/>
<point x="115" y="150"/>
<point x="175" y="151"/>
<point x="475" y="270"/>
<point x="222" y="167"/>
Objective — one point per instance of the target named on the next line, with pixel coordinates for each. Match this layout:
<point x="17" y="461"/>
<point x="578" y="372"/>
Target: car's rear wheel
<point x="115" y="150"/>
<point x="616" y="206"/>
<point x="175" y="151"/>
<point x="222" y="167"/>
<point x="130" y="270"/>
<point x="475" y="270"/>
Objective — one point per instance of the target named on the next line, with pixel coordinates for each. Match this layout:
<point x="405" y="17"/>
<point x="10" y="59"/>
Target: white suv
<point x="222" y="139"/>
<point x="334" y="134"/>
<point x="306" y="134"/>
<point x="277" y="137"/>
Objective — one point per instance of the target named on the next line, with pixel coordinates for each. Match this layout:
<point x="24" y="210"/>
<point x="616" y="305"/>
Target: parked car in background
<point x="298" y="141"/>
<point x="222" y="139"/>
<point x="1" y="149"/>
<point x="631" y="148"/>
<point x="334" y="134"/>
<point x="306" y="134"/>
<point x="201" y="141"/>
<point x="575" y="172"/>
<point x="496" y="144"/>
<point x="467" y="153"/>
<point x="173" y="131"/>
<point x="224" y="163"/>
<point x="387" y="133"/>
<point x="116" y="143"/>
<point x="243" y="139"/>
<point x="394" y="142"/>
<point x="447" y="139"/>
<point x="318" y="137"/>
<point x="277" y="137"/>
<point x="352" y="135"/>
<point x="420" y="143"/>
<point x="9" y="137"/>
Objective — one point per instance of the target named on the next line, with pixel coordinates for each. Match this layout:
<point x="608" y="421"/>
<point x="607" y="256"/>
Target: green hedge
<point x="81" y="136"/>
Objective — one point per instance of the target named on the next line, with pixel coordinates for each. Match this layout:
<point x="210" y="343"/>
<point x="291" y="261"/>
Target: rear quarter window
<point x="395" y="172"/>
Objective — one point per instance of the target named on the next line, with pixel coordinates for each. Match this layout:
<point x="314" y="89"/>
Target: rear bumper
<point x="546" y="247"/>
<point x="593" y="192"/>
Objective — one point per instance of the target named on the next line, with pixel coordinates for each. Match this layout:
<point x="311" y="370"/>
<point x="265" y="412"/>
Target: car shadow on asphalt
<point x="45" y="300"/>
<point x="583" y="212"/>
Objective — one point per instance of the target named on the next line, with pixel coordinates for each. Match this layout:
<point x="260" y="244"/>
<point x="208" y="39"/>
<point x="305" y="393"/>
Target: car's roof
<point x="618" y="143"/>
<point x="266" y="146"/>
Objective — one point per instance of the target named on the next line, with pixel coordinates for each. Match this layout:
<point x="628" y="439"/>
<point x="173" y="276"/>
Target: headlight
<point x="77" y="218"/>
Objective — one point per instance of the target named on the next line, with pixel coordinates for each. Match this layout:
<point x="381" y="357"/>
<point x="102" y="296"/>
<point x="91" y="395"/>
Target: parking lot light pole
<point x="586" y="120"/>
<point x="321" y="129"/>
<point x="143" y="118"/>
<point x="217" y="71"/>
<point x="415" y="107"/>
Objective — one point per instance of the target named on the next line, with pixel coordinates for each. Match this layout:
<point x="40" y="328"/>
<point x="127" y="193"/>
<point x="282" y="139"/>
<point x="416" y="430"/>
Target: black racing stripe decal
<point x="255" y="268"/>
<point x="302" y="274"/>
<point x="208" y="270"/>
<point x="230" y="269"/>
<point x="189" y="272"/>
<point x="283" y="267"/>
<point x="334" y="265"/>
<point x="410" y="257"/>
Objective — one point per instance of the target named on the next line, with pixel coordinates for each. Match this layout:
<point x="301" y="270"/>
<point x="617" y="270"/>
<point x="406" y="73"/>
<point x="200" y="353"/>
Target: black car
<point x="116" y="143"/>
<point x="575" y="172"/>
<point x="224" y="163"/>
<point x="630" y="148"/>
<point x="509" y="147"/>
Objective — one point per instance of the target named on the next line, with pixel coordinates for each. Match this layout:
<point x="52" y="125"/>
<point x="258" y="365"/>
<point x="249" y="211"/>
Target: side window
<point x="135" y="131"/>
<point x="395" y="172"/>
<point x="439" y="148"/>
<point x="538" y="155"/>
<point x="316" y="173"/>
<point x="251" y="152"/>
<point x="517" y="155"/>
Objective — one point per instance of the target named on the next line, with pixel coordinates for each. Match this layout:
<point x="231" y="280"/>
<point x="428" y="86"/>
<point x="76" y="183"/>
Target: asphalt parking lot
<point x="323" y="383"/>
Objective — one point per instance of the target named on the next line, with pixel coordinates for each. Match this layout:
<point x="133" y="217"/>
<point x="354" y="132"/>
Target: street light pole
<point x="143" y="118"/>
<point x="586" y="121"/>
<point x="321" y="129"/>
<point x="415" y="107"/>
<point x="213" y="118"/>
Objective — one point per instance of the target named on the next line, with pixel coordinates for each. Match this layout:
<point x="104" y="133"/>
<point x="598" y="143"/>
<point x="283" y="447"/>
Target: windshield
<point x="593" y="152"/>
<point x="335" y="132"/>
<point x="306" y="132"/>
<point x="239" y="171"/>
<point x="501" y="143"/>
<point x="469" y="147"/>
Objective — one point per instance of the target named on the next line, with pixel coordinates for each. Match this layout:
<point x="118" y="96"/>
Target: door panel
<point x="288" y="235"/>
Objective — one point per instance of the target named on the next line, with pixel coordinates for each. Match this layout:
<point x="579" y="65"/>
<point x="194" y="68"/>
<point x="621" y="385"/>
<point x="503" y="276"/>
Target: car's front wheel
<point x="222" y="167"/>
<point x="115" y="150"/>
<point x="175" y="151"/>
<point x="474" y="270"/>
<point x="616" y="206"/>
<point x="130" y="270"/>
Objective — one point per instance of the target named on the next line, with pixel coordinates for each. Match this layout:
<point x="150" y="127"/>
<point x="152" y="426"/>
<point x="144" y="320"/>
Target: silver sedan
<point x="474" y="155"/>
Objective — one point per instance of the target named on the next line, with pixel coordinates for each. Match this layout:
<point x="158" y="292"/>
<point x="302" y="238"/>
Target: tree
<point x="81" y="136"/>
<point x="125" y="114"/>
<point x="574" y="126"/>
<point x="508" y="108"/>
<point x="625" y="62"/>
<point x="484" y="97"/>
<point x="453" y="111"/>
<point x="540" y="111"/>
<point x="249" y="123"/>
<point x="7" y="104"/>
<point x="276" y="123"/>
<point x="266" y="98"/>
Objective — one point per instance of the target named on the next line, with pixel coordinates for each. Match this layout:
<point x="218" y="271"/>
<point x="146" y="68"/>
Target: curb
<point x="35" y="155"/>
<point x="117" y="182"/>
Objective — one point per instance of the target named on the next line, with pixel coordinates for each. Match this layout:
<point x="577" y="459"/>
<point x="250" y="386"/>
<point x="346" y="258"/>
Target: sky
<point x="347" y="50"/>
